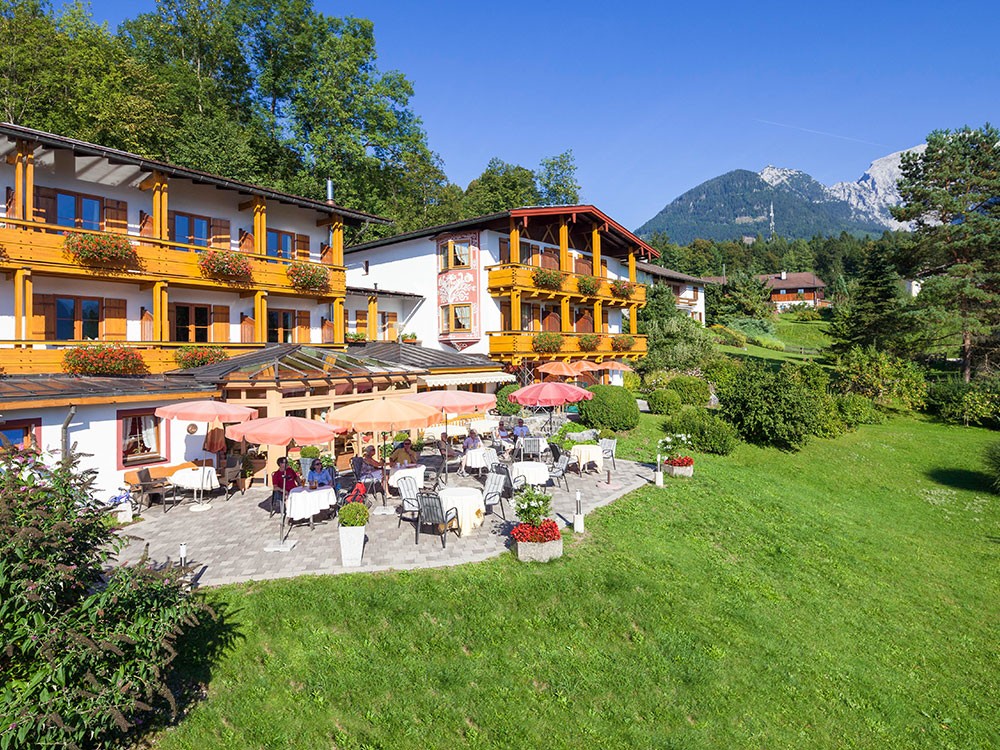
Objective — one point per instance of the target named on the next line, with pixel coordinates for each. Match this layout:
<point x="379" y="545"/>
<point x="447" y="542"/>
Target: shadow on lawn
<point x="962" y="479"/>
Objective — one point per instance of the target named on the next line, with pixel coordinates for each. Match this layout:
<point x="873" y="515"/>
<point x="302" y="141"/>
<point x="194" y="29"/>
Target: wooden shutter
<point x="584" y="321"/>
<point x="246" y="242"/>
<point x="45" y="205"/>
<point x="583" y="265"/>
<point x="552" y="321"/>
<point x="504" y="251"/>
<point x="325" y="254"/>
<point x="220" y="239"/>
<point x="220" y="324"/>
<point x="115" y="216"/>
<point x="247" y="329"/>
<point x="505" y="322"/>
<point x="145" y="224"/>
<point x="302" y="246"/>
<point x="114" y="320"/>
<point x="303" y="332"/>
<point x="604" y="321"/>
<point x="328" y="331"/>
<point x="172" y="227"/>
<point x="43" y="317"/>
<point x="390" y="326"/>
<point x="550" y="258"/>
<point x="146" y="325"/>
<point x="172" y="320"/>
<point x="361" y="321"/>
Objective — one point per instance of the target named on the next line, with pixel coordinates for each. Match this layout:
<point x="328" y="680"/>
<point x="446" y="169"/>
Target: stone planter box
<point x="678" y="471"/>
<point x="352" y="545"/>
<point x="538" y="551"/>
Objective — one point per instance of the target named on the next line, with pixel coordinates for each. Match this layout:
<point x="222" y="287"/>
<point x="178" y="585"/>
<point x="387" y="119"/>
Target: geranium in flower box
<point x="622" y="289"/>
<point x="225" y="264"/>
<point x="679" y="466"/>
<point x="309" y="277"/>
<point x="536" y="538"/>
<point x="100" y="249"/>
<point x="104" y="359"/>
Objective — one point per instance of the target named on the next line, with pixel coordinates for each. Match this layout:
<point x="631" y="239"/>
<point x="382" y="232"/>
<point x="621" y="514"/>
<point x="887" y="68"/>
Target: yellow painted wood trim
<point x="595" y="246"/>
<point x="12" y="405"/>
<point x="564" y="264"/>
<point x="29" y="181"/>
<point x="29" y="306"/>
<point x="515" y="242"/>
<point x="631" y="266"/>
<point x="372" y="331"/>
<point x="19" y="303"/>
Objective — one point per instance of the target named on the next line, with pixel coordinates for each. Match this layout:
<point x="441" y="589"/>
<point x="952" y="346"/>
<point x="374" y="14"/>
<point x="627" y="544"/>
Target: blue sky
<point x="656" y="97"/>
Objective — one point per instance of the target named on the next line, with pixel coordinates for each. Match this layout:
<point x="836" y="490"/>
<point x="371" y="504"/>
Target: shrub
<point x="885" y="379"/>
<point x="768" y="342"/>
<point x="196" y="356"/>
<point x="504" y="405"/>
<point x="100" y="248"/>
<point x="664" y="401"/>
<point x="309" y="451"/>
<point x="992" y="458"/>
<point x="225" y="264"/>
<point x="588" y="342"/>
<point x="944" y="398"/>
<point x="622" y="289"/>
<point x="612" y="407"/>
<point x="959" y="402"/>
<point x="728" y="336"/>
<point x="623" y="342"/>
<point x="587" y="285"/>
<point x="353" y="514"/>
<point x="692" y="390"/>
<point x="857" y="410"/>
<point x="607" y="435"/>
<point x="720" y="371"/>
<point x="547" y="278"/>
<point x="752" y="327"/>
<point x="805" y="313"/>
<point x="355" y="338"/>
<point x="88" y="644"/>
<point x="104" y="359"/>
<point x="547" y="342"/>
<point x="631" y="380"/>
<point x="532" y="506"/>
<point x="655" y="380"/>
<point x="674" y="342"/>
<point x="706" y="432"/>
<point x="308" y="276"/>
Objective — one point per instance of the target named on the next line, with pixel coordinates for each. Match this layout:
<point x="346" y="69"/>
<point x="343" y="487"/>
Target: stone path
<point x="226" y="543"/>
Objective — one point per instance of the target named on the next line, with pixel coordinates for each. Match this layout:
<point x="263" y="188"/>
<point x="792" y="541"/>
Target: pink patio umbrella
<point x="560" y="369"/>
<point x="453" y="401"/>
<point x="382" y="415"/>
<point x="549" y="394"/>
<point x="282" y="431"/>
<point x="620" y="366"/>
<point x="585" y="365"/>
<point x="207" y="411"/>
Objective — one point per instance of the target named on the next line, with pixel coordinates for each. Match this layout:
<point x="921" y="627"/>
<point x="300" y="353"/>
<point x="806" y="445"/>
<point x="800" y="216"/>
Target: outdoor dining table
<point x="468" y="501"/>
<point x="534" y="472"/>
<point x="484" y="426"/>
<point x="197" y="479"/>
<point x="303" y="503"/>
<point x="417" y="472"/>
<point x="480" y="458"/>
<point x="588" y="454"/>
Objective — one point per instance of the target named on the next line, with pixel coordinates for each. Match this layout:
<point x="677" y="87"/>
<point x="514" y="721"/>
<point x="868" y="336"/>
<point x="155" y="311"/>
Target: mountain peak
<point x="775" y="176"/>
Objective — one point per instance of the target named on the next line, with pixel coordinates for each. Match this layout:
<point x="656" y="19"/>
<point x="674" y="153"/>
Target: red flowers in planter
<point x="308" y="276"/>
<point x="546" y="531"/>
<point x="225" y="264"/>
<point x="104" y="359"/>
<point x="679" y="461"/>
<point x="100" y="248"/>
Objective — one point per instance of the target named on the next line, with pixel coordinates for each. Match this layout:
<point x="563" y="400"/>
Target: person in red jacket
<point x="282" y="481"/>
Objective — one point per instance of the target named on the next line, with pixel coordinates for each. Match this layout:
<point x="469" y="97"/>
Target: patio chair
<point x="408" y="492"/>
<point x="373" y="485"/>
<point x="493" y="492"/>
<point x="490" y="458"/>
<point x="450" y="458"/>
<point x="558" y="471"/>
<point x="149" y="489"/>
<point x="432" y="513"/>
<point x="609" y="446"/>
<point x="230" y="474"/>
<point x="558" y="452"/>
<point x="511" y="485"/>
<point x="532" y="446"/>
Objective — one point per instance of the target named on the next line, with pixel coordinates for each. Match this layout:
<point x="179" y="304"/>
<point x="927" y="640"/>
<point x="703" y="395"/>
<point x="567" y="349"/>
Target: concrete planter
<point x="679" y="471"/>
<point x="352" y="545"/>
<point x="538" y="551"/>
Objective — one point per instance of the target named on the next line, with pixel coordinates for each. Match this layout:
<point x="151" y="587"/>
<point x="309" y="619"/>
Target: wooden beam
<point x="19" y="304"/>
<point x="148" y="183"/>
<point x="564" y="315"/>
<point x="18" y="210"/>
<point x="631" y="264"/>
<point x="515" y="244"/>
<point x="338" y="320"/>
<point x="595" y="248"/>
<point x="373" y="317"/>
<point x="29" y="181"/>
<point x="29" y="306"/>
<point x="246" y="205"/>
<point x="633" y="319"/>
<point x="564" y="264"/>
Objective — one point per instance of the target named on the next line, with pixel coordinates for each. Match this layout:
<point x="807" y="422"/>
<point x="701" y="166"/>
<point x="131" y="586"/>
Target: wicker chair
<point x="432" y="513"/>
<point x="148" y="489"/>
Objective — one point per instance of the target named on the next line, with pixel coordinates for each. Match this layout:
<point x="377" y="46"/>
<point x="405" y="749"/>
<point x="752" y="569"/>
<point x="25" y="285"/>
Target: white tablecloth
<point x="417" y="472"/>
<point x="303" y="503"/>
<point x="534" y="472"/>
<point x="480" y="458"/>
<point x="198" y="479"/>
<point x="468" y="501"/>
<point x="587" y="454"/>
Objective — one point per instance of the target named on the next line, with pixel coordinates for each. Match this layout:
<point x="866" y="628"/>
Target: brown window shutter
<point x="172" y="320"/>
<point x="246" y="241"/>
<point x="45" y="205"/>
<point x="220" y="239"/>
<point x="114" y="320"/>
<point x="146" y="325"/>
<point x="172" y="228"/>
<point x="505" y="321"/>
<point x="325" y="254"/>
<point x="43" y="317"/>
<point x="361" y="321"/>
<point x="145" y="224"/>
<point x="604" y="321"/>
<point x="220" y="323"/>
<point x="329" y="331"/>
<point x="302" y="246"/>
<point x="390" y="326"/>
<point x="115" y="216"/>
<point x="504" y="251"/>
<point x="303" y="334"/>
<point x="247" y="329"/>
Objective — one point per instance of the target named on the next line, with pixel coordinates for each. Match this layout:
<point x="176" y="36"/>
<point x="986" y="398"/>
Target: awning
<point x="466" y="378"/>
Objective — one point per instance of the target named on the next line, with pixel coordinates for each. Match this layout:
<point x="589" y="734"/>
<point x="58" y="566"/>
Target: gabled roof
<point x="666" y="273"/>
<point x="13" y="133"/>
<point x="414" y="355"/>
<point x="796" y="279"/>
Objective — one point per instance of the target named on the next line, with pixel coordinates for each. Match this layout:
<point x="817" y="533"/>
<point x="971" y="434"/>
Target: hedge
<point x="504" y="405"/>
<point x="692" y="390"/>
<point x="663" y="401"/>
<point x="612" y="407"/>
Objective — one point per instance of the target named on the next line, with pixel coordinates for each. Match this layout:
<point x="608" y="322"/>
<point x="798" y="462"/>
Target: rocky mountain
<point x="739" y="203"/>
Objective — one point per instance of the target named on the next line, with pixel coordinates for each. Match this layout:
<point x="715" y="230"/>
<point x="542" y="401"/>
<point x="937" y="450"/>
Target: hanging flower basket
<point x="588" y="342"/>
<point x="100" y="249"/>
<point x="309" y="277"/>
<point x="104" y="359"/>
<point x="587" y="285"/>
<point x="622" y="289"/>
<point x="547" y="343"/>
<point x="623" y="342"/>
<point x="547" y="278"/>
<point x="225" y="264"/>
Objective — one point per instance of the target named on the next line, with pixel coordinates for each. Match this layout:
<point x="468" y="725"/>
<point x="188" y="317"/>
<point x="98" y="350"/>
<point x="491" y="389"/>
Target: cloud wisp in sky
<point x="820" y="132"/>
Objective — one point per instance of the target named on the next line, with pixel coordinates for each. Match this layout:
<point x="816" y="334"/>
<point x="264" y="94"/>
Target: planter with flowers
<point x="226" y="264"/>
<point x="681" y="466"/>
<point x="355" y="338"/>
<point x="622" y="289"/>
<point x="547" y="342"/>
<point x="353" y="520"/>
<point x="100" y="249"/>
<point x="548" y="278"/>
<point x="308" y="277"/>
<point x="536" y="537"/>
<point x="588" y="342"/>
<point x="675" y="464"/>
<point x="587" y="285"/>
<point x="112" y="360"/>
<point x="199" y="356"/>
<point x="409" y="338"/>
<point x="623" y="342"/>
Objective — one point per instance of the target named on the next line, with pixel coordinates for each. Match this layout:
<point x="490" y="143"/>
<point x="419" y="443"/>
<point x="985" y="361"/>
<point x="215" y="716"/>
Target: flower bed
<point x="587" y="285"/>
<point x="547" y="342"/>
<point x="309" y="277"/>
<point x="679" y="461"/>
<point x="197" y="356"/>
<point x="225" y="264"/>
<point x="547" y="278"/>
<point x="622" y="289"/>
<point x="588" y="342"/>
<point x="100" y="248"/>
<point x="103" y="359"/>
<point x="623" y="342"/>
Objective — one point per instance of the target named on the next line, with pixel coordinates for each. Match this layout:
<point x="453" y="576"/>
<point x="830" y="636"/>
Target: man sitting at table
<point x="282" y="481"/>
<point x="472" y="442"/>
<point x="521" y="430"/>
<point x="404" y="455"/>
<point x="319" y="475"/>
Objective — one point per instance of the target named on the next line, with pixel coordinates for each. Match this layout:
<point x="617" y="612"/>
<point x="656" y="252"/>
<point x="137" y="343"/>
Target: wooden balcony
<point x="804" y="297"/>
<point x="39" y="247"/>
<point x="507" y="277"/>
<point x="517" y="346"/>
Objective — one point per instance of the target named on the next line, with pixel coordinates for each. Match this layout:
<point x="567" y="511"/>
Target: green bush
<point x="87" y="644"/>
<point x="612" y="407"/>
<point x="664" y="401"/>
<point x="607" y="435"/>
<point x="728" y="336"/>
<point x="992" y="458"/>
<point x="887" y="380"/>
<point x="353" y="514"/>
<point x="706" y="432"/>
<point x="631" y="381"/>
<point x="655" y="380"/>
<point x="504" y="406"/>
<point x="309" y="451"/>
<point x="959" y="402"/>
<point x="753" y="327"/>
<point x="692" y="390"/>
<point x="856" y="410"/>
<point x="720" y="371"/>
<point x="944" y="398"/>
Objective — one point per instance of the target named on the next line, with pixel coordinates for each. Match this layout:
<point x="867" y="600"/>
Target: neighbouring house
<point x="523" y="286"/>
<point x="788" y="288"/>
<point x="689" y="291"/>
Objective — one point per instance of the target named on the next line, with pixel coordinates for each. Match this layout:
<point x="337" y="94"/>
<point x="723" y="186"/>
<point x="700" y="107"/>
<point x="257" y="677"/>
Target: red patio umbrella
<point x="560" y="369"/>
<point x="549" y="394"/>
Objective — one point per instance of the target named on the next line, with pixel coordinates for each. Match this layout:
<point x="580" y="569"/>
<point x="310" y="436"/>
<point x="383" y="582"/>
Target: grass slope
<point x="843" y="596"/>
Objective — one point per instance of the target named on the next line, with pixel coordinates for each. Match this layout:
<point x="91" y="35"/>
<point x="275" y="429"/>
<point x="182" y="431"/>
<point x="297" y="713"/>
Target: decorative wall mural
<point x="459" y="323"/>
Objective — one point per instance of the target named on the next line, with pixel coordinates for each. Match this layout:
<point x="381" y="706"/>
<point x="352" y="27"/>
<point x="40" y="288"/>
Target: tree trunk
<point x="967" y="355"/>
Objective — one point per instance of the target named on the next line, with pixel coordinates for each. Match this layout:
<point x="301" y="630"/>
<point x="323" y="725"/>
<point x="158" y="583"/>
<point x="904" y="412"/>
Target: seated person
<point x="505" y="440"/>
<point x="472" y="442"/>
<point x="446" y="450"/>
<point x="319" y="475"/>
<point x="371" y="466"/>
<point x="404" y="455"/>
<point x="521" y="430"/>
<point x="282" y="481"/>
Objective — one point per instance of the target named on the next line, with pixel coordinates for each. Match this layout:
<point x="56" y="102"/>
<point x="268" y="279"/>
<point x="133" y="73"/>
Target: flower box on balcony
<point x="355" y="338"/>
<point x="622" y="289"/>
<point x="588" y="342"/>
<point x="104" y="360"/>
<point x="587" y="285"/>
<point x="198" y="356"/>
<point x="547" y="278"/>
<point x="225" y="264"/>
<point x="100" y="249"/>
<point x="623" y="342"/>
<point x="309" y="277"/>
<point x="547" y="343"/>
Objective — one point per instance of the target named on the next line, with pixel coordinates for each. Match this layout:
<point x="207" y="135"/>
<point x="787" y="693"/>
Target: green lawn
<point x="810" y="334"/>
<point x="843" y="596"/>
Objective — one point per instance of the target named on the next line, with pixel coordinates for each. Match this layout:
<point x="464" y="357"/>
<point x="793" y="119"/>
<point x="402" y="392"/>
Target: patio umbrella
<point x="615" y="366"/>
<point x="282" y="431"/>
<point x="585" y="365"/>
<point x="215" y="438"/>
<point x="207" y="411"/>
<point x="453" y="401"/>
<point x="559" y="368"/>
<point x="382" y="415"/>
<point x="549" y="394"/>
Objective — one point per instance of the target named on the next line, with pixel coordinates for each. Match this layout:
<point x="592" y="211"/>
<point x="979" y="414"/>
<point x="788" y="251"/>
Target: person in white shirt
<point x="472" y="442"/>
<point x="521" y="430"/>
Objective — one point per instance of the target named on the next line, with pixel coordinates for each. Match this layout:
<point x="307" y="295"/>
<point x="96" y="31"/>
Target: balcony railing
<point x="805" y="296"/>
<point x="509" y="276"/>
<point x="30" y="244"/>
<point x="521" y="345"/>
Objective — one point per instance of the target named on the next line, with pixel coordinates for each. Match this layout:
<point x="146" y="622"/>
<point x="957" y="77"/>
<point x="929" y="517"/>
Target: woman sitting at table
<point x="404" y="455"/>
<point x="319" y="475"/>
<point x="471" y="443"/>
<point x="371" y="466"/>
<point x="505" y="438"/>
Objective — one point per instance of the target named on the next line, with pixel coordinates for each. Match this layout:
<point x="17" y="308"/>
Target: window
<point x="280" y="244"/>
<point x="191" y="323"/>
<point x="78" y="318"/>
<point x="22" y="433"/>
<point x="192" y="230"/>
<point x="456" y="318"/>
<point x="141" y="439"/>
<point x="452" y="254"/>
<point x="281" y="326"/>
<point x="80" y="211"/>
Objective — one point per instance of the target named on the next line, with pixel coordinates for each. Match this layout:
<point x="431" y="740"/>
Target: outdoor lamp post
<point x="578" y="518"/>
<point x="658" y="472"/>
<point x="182" y="554"/>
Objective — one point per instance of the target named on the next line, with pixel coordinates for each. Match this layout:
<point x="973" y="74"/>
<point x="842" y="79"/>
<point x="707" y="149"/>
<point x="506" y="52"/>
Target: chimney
<point x="329" y="191"/>
<point x="784" y="275"/>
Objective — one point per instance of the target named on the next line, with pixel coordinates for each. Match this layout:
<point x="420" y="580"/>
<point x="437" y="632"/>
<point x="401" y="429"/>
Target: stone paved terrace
<point x="226" y="543"/>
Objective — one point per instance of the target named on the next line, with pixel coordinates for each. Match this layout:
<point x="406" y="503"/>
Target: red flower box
<point x="679" y="461"/>
<point x="546" y="531"/>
